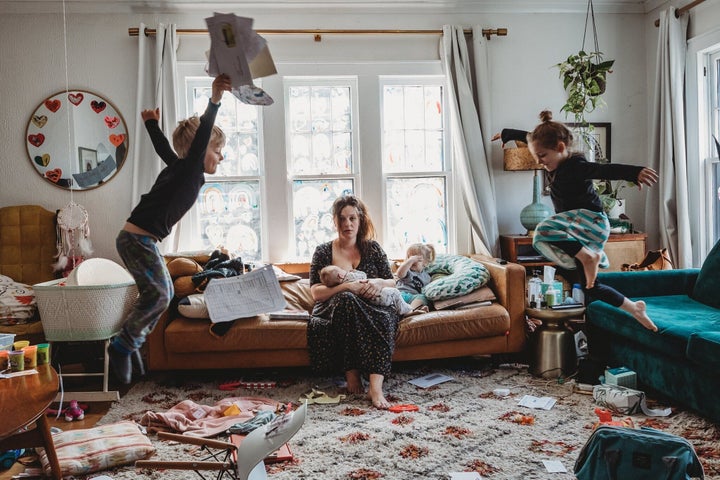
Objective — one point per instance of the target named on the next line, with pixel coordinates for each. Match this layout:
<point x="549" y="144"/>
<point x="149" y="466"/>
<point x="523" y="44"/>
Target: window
<point x="713" y="160"/>
<point x="285" y="164"/>
<point x="413" y="161"/>
<point x="230" y="205"/>
<point x="320" y="126"/>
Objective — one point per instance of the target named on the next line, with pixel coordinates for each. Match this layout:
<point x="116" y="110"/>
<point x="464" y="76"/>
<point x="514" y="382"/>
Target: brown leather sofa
<point x="180" y="343"/>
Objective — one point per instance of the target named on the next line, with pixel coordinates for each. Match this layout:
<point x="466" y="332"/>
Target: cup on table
<point x="17" y="360"/>
<point x="30" y="356"/>
<point x="20" y="344"/>
<point x="4" y="359"/>
<point x="43" y="353"/>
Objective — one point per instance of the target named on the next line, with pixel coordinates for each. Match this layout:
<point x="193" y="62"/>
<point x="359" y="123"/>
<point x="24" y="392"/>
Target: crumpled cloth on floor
<point x="196" y="420"/>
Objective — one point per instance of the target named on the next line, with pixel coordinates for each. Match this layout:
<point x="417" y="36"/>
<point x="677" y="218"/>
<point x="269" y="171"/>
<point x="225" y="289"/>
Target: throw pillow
<point x="193" y="306"/>
<point x="463" y="276"/>
<point x="17" y="302"/>
<point x="708" y="281"/>
<point x="179" y="267"/>
<point x="84" y="451"/>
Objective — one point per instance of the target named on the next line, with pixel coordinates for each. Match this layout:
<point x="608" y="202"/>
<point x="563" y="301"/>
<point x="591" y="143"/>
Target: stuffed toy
<point x="74" y="412"/>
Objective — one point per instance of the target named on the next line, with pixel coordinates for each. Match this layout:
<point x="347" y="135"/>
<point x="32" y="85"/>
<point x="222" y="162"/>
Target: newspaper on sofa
<point x="244" y="296"/>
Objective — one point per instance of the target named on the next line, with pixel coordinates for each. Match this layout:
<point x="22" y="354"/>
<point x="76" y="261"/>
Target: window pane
<point x="230" y="216"/>
<point x="312" y="218"/>
<point x="413" y="135"/>
<point x="416" y="212"/>
<point x="320" y="124"/>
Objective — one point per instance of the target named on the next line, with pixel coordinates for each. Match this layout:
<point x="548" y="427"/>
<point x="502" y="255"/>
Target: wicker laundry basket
<point x="83" y="313"/>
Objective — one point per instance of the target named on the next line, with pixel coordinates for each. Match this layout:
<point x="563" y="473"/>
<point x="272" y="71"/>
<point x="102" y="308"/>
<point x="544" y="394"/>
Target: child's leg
<point x="392" y="297"/>
<point x="639" y="311"/>
<point x="145" y="263"/>
<point x="589" y="259"/>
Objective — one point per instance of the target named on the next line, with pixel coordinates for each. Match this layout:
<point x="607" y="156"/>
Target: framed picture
<point x="87" y="159"/>
<point x="599" y="137"/>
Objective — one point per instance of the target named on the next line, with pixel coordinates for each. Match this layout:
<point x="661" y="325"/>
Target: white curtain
<point x="469" y="99"/>
<point x="157" y="87"/>
<point x="667" y="147"/>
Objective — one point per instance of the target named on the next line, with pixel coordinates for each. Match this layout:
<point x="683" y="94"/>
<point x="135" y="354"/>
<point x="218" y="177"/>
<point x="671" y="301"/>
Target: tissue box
<point x="558" y="286"/>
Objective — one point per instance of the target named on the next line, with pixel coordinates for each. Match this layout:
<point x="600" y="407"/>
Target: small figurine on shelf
<point x="74" y="412"/>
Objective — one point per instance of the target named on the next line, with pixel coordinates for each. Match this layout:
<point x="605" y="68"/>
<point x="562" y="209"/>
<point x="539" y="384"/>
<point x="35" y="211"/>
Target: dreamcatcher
<point x="73" y="237"/>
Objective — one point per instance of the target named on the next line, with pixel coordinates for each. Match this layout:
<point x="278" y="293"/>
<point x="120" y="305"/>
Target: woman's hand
<point x="647" y="176"/>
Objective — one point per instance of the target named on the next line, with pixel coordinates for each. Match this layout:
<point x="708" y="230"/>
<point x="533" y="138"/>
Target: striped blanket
<point x="590" y="229"/>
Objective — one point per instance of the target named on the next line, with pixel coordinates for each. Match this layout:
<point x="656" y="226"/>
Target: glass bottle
<point x="534" y="286"/>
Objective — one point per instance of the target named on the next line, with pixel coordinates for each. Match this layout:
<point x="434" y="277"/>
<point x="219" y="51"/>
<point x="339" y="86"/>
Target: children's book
<point x="289" y="314"/>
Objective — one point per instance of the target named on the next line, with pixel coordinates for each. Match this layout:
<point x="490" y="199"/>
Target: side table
<point x="23" y="402"/>
<point x="553" y="344"/>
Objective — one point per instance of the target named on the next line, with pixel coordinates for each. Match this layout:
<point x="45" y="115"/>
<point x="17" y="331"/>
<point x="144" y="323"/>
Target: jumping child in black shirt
<point x="198" y="144"/>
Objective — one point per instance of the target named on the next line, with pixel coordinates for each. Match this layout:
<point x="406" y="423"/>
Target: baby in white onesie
<point x="333" y="275"/>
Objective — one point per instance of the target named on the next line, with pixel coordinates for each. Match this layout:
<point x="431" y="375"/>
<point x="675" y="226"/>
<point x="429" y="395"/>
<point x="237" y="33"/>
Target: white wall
<point x="102" y="58"/>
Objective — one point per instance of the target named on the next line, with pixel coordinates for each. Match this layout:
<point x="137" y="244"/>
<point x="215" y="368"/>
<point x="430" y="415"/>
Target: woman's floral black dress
<point x="346" y="332"/>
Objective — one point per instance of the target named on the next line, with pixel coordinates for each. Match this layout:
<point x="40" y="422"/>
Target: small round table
<point x="553" y="351"/>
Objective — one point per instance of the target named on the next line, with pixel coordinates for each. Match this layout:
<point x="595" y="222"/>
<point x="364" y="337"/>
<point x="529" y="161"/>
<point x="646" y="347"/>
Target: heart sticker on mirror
<point x="112" y="122"/>
<point x="39" y="120"/>
<point x="36" y="140"/>
<point x="116" y="140"/>
<point x="97" y="106"/>
<point x="52" y="105"/>
<point x="43" y="160"/>
<point x="76" y="98"/>
<point x="54" y="175"/>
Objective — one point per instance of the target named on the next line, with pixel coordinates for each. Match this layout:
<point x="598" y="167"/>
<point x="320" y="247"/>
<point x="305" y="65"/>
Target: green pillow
<point x="463" y="275"/>
<point x="707" y="285"/>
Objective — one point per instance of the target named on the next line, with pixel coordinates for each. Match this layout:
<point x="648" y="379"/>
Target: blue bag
<point x="620" y="453"/>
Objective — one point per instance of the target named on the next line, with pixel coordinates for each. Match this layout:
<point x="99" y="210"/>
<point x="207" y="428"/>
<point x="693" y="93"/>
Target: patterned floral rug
<point x="461" y="425"/>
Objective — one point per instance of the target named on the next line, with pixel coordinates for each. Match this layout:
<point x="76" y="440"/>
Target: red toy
<point x="606" y="419"/>
<point x="74" y="411"/>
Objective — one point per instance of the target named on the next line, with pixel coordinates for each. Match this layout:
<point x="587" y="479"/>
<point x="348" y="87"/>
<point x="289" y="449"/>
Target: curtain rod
<point x="682" y="10"/>
<point x="317" y="34"/>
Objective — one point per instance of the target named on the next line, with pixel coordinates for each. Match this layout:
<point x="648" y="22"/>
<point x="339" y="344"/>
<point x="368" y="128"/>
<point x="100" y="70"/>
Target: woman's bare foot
<point x="354" y="382"/>
<point x="376" y="394"/>
<point x="591" y="263"/>
<point x="639" y="311"/>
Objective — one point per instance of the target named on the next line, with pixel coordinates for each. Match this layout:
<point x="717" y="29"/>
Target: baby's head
<point x="332" y="275"/>
<point x="425" y="250"/>
<point x="185" y="133"/>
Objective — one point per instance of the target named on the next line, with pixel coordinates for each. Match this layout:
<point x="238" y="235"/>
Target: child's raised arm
<point x="220" y="84"/>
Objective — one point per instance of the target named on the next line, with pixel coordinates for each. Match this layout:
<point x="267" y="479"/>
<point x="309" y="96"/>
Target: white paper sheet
<point x="244" y="296"/>
<point x="546" y="403"/>
<point x="554" y="466"/>
<point x="430" y="380"/>
<point x="465" y="476"/>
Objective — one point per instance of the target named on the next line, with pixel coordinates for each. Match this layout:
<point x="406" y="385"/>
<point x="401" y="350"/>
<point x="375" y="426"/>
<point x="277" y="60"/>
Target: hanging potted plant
<point x="584" y="76"/>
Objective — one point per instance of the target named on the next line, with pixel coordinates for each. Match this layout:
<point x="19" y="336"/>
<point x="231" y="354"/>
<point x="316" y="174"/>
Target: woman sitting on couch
<point x="347" y="330"/>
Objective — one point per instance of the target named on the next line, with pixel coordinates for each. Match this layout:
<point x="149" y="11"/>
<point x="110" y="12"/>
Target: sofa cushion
<point x="677" y="318"/>
<point x="193" y="306"/>
<point x="463" y="275"/>
<point x="179" y="267"/>
<point x="704" y="349"/>
<point x="707" y="285"/>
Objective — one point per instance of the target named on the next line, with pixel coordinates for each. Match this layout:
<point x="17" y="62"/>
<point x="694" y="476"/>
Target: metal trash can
<point x="553" y="352"/>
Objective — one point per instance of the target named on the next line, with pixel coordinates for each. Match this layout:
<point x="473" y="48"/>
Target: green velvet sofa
<point x="682" y="359"/>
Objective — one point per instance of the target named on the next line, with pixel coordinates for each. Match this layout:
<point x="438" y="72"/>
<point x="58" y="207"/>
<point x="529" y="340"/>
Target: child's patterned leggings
<point x="155" y="288"/>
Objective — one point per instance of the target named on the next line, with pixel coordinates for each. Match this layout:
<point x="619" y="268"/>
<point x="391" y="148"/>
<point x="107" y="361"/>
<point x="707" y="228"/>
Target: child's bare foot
<point x="376" y="394"/>
<point x="354" y="382"/>
<point x="591" y="263"/>
<point x="639" y="311"/>
<point x="417" y="311"/>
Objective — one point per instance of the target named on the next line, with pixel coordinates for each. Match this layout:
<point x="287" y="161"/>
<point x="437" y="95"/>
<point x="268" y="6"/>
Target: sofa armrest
<point x="653" y="283"/>
<point x="508" y="283"/>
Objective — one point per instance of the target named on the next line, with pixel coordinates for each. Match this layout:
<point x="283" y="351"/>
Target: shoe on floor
<point x="121" y="365"/>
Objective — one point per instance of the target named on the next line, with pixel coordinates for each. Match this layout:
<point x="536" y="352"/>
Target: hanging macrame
<point x="73" y="237"/>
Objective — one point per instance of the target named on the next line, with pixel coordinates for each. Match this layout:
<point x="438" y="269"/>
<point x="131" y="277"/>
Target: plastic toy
<point x="9" y="457"/>
<point x="605" y="418"/>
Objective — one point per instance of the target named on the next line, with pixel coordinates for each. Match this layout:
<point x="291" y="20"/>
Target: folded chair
<point x="225" y="458"/>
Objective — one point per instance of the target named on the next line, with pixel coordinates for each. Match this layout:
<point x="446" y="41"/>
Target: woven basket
<point x="83" y="313"/>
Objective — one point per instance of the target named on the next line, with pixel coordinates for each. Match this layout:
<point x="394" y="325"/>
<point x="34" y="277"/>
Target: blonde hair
<point x="549" y="133"/>
<point x="185" y="132"/>
<point x="425" y="249"/>
<point x="325" y="275"/>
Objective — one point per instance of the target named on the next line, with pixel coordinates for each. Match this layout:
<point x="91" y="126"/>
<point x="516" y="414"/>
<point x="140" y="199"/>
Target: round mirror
<point x="77" y="140"/>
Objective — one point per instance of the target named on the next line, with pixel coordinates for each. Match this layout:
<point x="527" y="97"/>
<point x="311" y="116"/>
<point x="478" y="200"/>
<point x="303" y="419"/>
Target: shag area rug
<point x="461" y="425"/>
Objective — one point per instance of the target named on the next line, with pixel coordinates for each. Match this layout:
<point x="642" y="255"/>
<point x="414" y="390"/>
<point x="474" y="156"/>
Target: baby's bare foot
<point x="591" y="263"/>
<point x="640" y="314"/>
